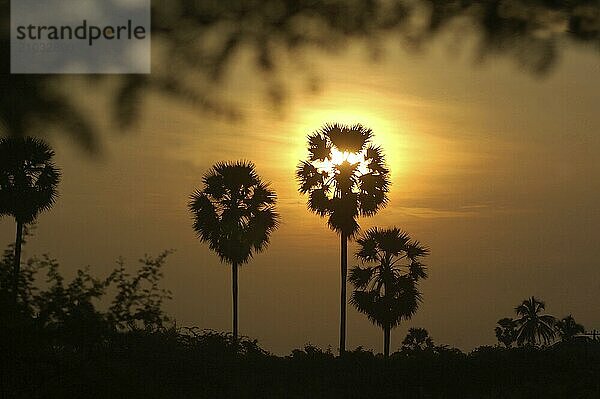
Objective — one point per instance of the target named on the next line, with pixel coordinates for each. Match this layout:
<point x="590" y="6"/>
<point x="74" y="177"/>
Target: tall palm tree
<point x="345" y="177"/>
<point x="386" y="287"/>
<point x="234" y="212"/>
<point x="28" y="186"/>
<point x="534" y="327"/>
<point x="568" y="328"/>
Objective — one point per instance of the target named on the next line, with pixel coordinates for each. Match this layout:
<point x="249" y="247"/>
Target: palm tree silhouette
<point x="28" y="186"/>
<point x="568" y="328"/>
<point x="534" y="327"/>
<point x="234" y="213"/>
<point x="386" y="288"/>
<point x="506" y="331"/>
<point x="345" y="177"/>
<point x="417" y="340"/>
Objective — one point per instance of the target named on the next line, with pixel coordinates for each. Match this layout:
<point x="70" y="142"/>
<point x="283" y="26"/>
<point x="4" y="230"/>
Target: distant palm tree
<point x="345" y="177"/>
<point x="506" y="331"/>
<point x="417" y="340"/>
<point x="386" y="288"/>
<point x="234" y="212"/>
<point x="534" y="327"/>
<point x="568" y="328"/>
<point x="28" y="186"/>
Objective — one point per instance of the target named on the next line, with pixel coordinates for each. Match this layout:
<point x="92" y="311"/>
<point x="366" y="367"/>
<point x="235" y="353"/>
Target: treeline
<point x="110" y="337"/>
<point x="534" y="328"/>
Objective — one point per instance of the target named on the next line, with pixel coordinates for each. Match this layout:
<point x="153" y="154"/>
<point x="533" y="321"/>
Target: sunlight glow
<point x="390" y="131"/>
<point x="338" y="157"/>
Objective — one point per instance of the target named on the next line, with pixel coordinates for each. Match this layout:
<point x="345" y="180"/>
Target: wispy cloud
<point x="467" y="211"/>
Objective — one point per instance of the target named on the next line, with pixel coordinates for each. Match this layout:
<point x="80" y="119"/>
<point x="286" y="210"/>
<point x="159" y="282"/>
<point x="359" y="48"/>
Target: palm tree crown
<point x="28" y="178"/>
<point x="234" y="212"/>
<point x="417" y="340"/>
<point x="568" y="328"/>
<point x="534" y="327"/>
<point x="386" y="288"/>
<point x="506" y="331"/>
<point x="345" y="176"/>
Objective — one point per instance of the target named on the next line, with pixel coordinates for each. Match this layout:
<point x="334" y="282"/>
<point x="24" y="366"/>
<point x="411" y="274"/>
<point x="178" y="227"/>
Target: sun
<point x="349" y="109"/>
<point x="392" y="130"/>
<point x="338" y="157"/>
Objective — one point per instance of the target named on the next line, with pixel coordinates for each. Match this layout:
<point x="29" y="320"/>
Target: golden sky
<point x="493" y="168"/>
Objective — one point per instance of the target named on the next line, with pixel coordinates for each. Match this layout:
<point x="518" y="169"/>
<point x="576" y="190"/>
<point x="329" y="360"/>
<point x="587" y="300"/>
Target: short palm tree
<point x="534" y="327"/>
<point x="345" y="177"/>
<point x="506" y="331"/>
<point x="28" y="186"/>
<point x="417" y="340"/>
<point x="234" y="212"/>
<point x="568" y="328"/>
<point x="387" y="286"/>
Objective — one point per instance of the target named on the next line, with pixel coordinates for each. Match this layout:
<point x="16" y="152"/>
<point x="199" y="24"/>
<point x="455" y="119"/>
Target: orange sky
<point x="493" y="168"/>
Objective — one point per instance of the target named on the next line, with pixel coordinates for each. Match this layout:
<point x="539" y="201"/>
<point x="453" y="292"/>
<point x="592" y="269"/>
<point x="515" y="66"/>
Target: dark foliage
<point x="62" y="345"/>
<point x="417" y="339"/>
<point x="69" y="315"/>
<point x="527" y="31"/>
<point x="507" y="331"/>
<point x="178" y="363"/>
<point x="568" y="328"/>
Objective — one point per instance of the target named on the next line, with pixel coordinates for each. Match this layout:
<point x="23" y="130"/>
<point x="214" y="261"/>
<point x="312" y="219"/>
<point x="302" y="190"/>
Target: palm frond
<point x="360" y="277"/>
<point x="319" y="202"/>
<point x="260" y="228"/>
<point x="416" y="250"/>
<point x="345" y="177"/>
<point x="206" y="218"/>
<point x="309" y="177"/>
<point x="417" y="271"/>
<point x="368" y="251"/>
<point x="373" y="193"/>
<point x="376" y="160"/>
<point x="342" y="214"/>
<point x="345" y="138"/>
<point x="319" y="147"/>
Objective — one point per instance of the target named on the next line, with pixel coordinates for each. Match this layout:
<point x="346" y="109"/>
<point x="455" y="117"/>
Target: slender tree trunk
<point x="17" y="260"/>
<point x="344" y="270"/>
<point x="234" y="286"/>
<point x="386" y="342"/>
